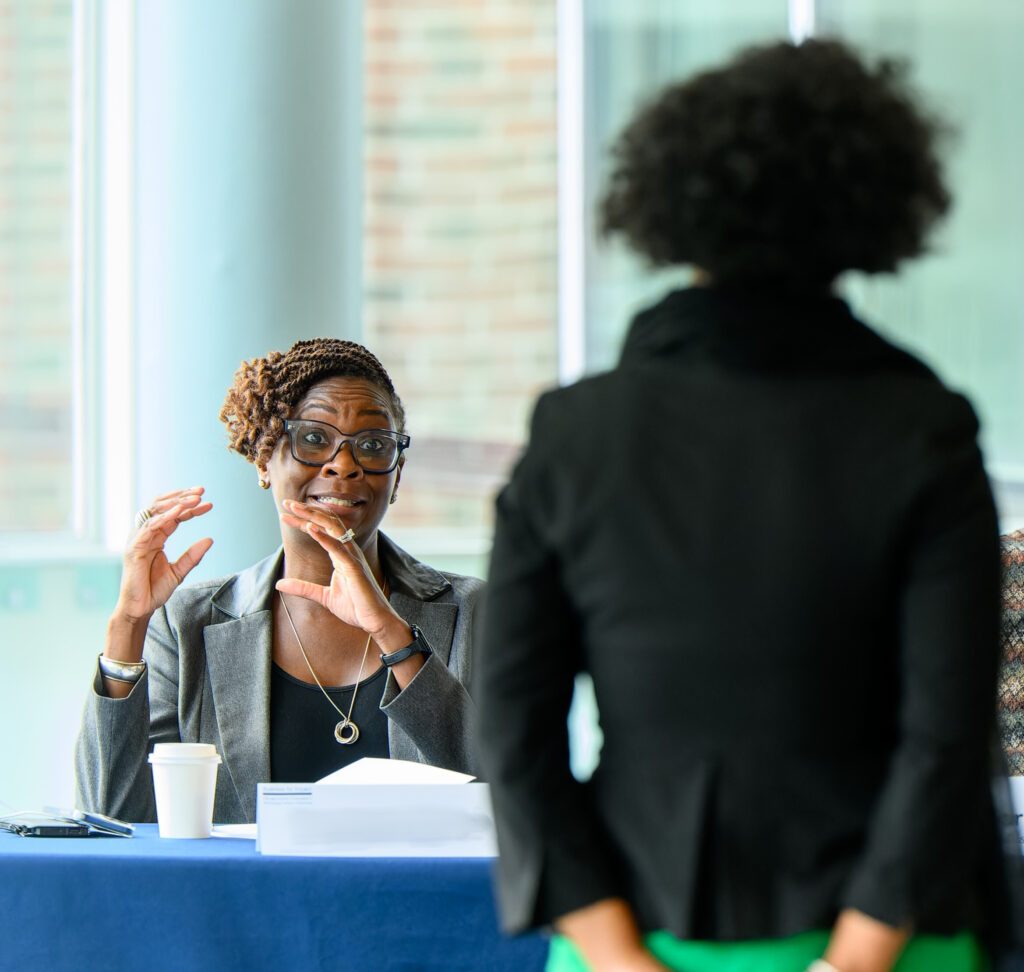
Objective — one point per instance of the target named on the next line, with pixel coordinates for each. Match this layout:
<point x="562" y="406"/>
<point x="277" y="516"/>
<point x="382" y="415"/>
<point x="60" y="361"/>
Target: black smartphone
<point x="101" y="823"/>
<point x="55" y="829"/>
<point x="41" y="825"/>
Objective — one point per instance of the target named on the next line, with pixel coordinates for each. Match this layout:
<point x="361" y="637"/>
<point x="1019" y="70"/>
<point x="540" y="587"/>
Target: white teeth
<point x="334" y="501"/>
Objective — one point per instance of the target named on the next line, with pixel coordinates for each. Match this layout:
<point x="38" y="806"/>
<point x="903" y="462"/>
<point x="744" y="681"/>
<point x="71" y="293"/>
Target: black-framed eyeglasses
<point x="315" y="443"/>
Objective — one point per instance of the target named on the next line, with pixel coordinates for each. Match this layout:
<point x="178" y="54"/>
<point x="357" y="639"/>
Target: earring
<point x="394" y="496"/>
<point x="264" y="481"/>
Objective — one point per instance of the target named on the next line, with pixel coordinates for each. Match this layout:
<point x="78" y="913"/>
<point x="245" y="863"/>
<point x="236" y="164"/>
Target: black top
<point x="769" y="538"/>
<point x="302" y="721"/>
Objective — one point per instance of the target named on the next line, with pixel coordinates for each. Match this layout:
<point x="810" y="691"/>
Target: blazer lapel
<point x="437" y="622"/>
<point x="413" y="589"/>
<point x="435" y="619"/>
<point x="238" y="660"/>
<point x="238" y="651"/>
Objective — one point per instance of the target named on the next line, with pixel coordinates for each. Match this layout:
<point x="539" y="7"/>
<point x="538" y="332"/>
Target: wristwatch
<point x="418" y="646"/>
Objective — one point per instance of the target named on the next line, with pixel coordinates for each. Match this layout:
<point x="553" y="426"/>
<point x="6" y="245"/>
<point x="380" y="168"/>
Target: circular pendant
<point x="346" y="732"/>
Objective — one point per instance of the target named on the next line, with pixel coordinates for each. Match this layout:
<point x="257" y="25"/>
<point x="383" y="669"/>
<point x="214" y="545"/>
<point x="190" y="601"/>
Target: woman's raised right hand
<point x="149" y="578"/>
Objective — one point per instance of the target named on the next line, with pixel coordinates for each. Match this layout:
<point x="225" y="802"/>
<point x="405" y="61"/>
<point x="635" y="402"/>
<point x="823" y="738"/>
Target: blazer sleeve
<point x="555" y="856"/>
<point x="435" y="709"/>
<point x="112" y="773"/>
<point x="928" y="829"/>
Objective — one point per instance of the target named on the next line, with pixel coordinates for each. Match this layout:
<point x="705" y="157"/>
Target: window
<point x="65" y="277"/>
<point x="36" y="242"/>
<point x="960" y="307"/>
<point x="631" y="50"/>
<point x="460" y="248"/>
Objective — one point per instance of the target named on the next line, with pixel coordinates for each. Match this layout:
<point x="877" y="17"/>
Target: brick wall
<point x="460" y="236"/>
<point x="35" y="265"/>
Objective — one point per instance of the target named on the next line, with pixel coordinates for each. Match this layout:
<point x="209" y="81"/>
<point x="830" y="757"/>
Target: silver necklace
<point x="346" y="732"/>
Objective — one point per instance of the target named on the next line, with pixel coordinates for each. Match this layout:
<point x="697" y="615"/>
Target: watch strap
<point x="418" y="646"/>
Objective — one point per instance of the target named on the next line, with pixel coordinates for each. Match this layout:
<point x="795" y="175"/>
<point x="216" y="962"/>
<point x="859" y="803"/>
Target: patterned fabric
<point x="1011" y="680"/>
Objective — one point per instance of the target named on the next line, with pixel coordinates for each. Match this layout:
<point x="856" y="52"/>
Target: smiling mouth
<point x="336" y="501"/>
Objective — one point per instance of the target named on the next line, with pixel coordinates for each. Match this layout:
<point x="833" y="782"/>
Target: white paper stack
<point x="377" y="808"/>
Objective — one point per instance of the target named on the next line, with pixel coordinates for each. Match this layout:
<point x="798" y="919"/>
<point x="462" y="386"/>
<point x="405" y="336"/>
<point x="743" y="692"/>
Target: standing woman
<point x="338" y="645"/>
<point x="768" y="537"/>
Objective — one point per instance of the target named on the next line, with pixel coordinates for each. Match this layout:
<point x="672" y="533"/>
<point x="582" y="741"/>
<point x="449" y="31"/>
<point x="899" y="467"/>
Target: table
<point x="109" y="903"/>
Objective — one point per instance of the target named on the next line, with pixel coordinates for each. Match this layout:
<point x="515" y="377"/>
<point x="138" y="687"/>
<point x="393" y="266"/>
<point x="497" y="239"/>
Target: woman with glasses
<point x="768" y="537"/>
<point x="339" y="645"/>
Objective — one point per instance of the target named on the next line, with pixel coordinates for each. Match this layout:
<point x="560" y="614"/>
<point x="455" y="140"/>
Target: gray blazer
<point x="207" y="680"/>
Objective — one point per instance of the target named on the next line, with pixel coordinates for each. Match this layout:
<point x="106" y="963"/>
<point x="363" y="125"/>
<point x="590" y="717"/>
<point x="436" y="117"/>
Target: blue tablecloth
<point x="144" y="903"/>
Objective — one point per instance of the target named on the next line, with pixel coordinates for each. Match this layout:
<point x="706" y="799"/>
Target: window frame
<point x="101" y="311"/>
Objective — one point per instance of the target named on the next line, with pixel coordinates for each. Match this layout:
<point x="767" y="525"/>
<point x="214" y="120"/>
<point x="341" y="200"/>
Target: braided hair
<point x="266" y="389"/>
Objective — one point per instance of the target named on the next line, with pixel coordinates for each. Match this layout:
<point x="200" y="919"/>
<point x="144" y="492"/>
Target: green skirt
<point x="924" y="953"/>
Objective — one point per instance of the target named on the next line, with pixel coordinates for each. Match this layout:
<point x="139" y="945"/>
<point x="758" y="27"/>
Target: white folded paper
<point x="371" y="809"/>
<point x="235" y="831"/>
<point x="370" y="769"/>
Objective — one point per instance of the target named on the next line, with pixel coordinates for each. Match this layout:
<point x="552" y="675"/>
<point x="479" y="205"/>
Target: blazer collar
<point x="249" y="591"/>
<point x="764" y="331"/>
<point x="712" y="318"/>
<point x="407" y="575"/>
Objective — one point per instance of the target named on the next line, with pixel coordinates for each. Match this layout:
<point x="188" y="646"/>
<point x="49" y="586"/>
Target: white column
<point x="248" y="225"/>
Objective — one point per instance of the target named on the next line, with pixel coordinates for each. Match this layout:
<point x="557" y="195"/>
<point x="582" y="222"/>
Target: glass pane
<point x="35" y="266"/>
<point x="460" y="264"/>
<point x="960" y="307"/>
<point x="631" y="50"/>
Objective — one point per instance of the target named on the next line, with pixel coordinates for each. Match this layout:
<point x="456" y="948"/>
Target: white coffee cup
<point x="184" y="780"/>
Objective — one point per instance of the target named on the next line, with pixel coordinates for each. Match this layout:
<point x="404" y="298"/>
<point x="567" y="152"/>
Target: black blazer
<point x="768" y="537"/>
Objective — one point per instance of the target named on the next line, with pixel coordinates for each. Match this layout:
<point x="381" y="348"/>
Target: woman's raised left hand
<point x="353" y="594"/>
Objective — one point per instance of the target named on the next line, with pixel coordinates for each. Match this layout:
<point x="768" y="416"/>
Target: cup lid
<point x="183" y="751"/>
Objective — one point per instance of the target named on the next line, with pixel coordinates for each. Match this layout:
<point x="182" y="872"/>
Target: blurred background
<point x="187" y="183"/>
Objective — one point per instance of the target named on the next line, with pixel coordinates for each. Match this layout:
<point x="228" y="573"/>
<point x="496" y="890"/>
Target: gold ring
<point x="142" y="516"/>
<point x="347" y="536"/>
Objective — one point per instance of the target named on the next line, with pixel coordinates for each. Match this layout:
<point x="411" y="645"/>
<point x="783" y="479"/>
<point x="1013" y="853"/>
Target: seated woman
<point x="338" y="645"/>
